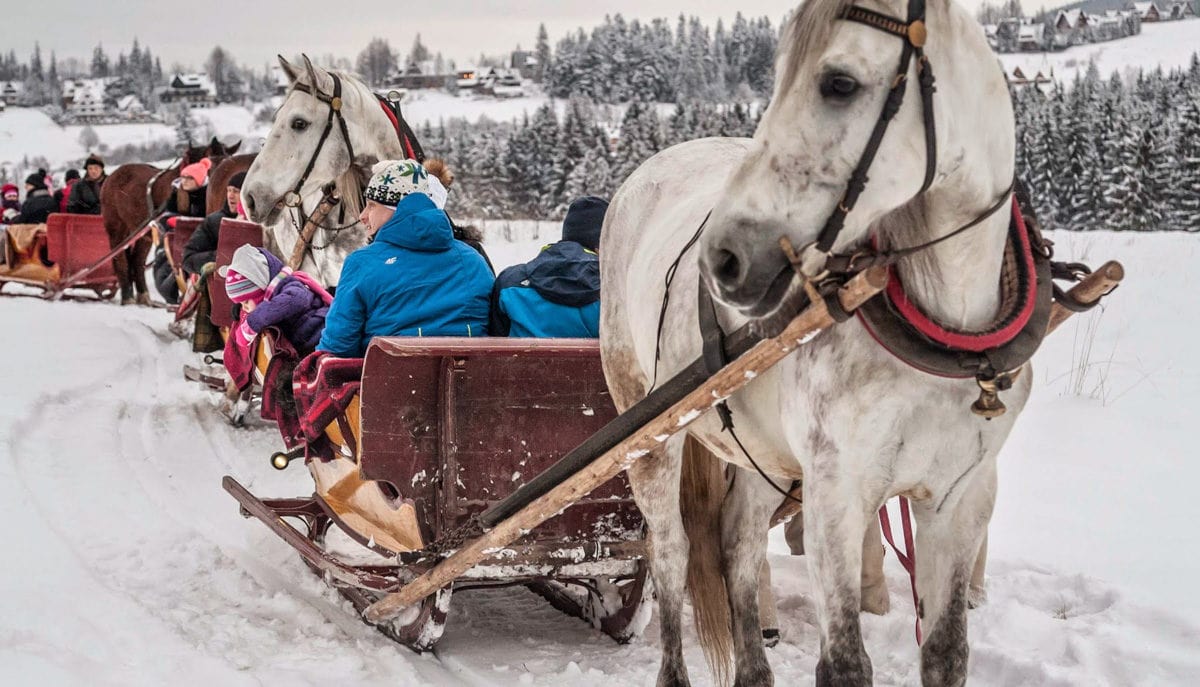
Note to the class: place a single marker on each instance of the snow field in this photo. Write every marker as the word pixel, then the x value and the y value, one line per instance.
pixel 1166 44
pixel 130 566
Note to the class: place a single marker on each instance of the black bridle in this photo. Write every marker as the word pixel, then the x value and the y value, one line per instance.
pixel 334 101
pixel 913 32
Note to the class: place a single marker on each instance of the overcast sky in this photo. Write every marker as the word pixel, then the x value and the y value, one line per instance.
pixel 254 31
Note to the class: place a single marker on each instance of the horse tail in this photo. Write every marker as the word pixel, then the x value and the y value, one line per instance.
pixel 702 491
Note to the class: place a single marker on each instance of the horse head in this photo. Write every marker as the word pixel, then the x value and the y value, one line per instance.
pixel 307 147
pixel 834 73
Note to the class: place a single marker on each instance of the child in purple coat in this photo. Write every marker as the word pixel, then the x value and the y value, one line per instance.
pixel 271 295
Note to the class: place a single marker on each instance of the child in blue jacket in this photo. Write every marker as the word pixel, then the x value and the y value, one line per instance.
pixel 415 278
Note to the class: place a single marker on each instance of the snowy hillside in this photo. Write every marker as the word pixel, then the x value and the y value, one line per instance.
pixel 28 132
pixel 128 565
pixel 1167 45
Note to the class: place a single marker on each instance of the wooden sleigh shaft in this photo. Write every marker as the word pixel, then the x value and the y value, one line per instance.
pixel 650 436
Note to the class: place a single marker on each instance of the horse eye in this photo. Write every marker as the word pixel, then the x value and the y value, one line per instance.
pixel 839 86
pixel 299 124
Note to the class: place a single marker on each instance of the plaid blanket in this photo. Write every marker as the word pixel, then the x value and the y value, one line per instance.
pixel 323 387
pixel 278 404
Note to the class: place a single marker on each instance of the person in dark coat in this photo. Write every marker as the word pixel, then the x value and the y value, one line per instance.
pixel 85 193
pixel 557 294
pixel 201 249
pixel 38 202
pixel 62 195
pixel 415 278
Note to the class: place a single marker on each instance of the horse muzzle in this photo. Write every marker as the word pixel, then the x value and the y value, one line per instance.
pixel 751 276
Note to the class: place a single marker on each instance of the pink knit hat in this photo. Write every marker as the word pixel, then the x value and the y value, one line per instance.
pixel 198 171
pixel 240 289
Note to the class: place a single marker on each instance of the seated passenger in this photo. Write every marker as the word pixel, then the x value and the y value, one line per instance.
pixel 414 279
pixel 85 193
pixel 10 204
pixel 38 201
pixel 271 295
pixel 201 249
pixel 557 294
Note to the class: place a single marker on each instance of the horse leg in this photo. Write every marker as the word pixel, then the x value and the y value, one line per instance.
pixel 835 523
pixel 121 267
pixel 745 518
pixel 655 482
pixel 767 613
pixel 948 544
pixel 793 533
pixel 874 587
pixel 137 267
pixel 977 592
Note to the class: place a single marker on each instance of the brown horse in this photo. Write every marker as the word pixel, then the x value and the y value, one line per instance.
pixel 129 198
pixel 220 175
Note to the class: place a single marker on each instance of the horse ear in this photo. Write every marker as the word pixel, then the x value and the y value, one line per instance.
pixel 232 150
pixel 288 70
pixel 312 72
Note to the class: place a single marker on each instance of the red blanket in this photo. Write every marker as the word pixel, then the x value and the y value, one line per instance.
pixel 323 387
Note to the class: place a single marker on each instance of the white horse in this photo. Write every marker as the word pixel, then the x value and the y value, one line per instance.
pixel 299 138
pixel 855 423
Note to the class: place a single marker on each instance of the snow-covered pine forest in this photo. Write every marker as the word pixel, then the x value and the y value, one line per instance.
pixel 1105 152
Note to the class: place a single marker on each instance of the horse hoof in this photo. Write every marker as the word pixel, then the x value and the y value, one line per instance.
pixel 127 301
pixel 770 637
pixel 143 299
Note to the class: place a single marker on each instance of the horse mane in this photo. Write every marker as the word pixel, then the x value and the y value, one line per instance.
pixel 808 32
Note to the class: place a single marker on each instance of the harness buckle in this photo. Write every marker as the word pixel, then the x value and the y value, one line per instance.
pixel 292 199
pixel 335 103
pixel 917 33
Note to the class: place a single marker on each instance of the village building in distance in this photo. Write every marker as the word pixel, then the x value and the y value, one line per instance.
pixel 1067 28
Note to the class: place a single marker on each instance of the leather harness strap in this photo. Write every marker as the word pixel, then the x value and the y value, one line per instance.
pixel 913 33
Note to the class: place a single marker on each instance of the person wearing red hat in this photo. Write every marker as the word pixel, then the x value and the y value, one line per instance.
pixel 11 202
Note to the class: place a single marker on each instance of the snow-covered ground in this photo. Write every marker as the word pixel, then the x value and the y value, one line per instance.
pixel 128 565
pixel 1166 44
pixel 29 132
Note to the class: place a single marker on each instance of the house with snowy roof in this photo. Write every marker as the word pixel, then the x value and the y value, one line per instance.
pixel 1148 11
pixel 197 90
pixel 1033 38
pixel 11 92
pixel 1181 10
pixel 1072 27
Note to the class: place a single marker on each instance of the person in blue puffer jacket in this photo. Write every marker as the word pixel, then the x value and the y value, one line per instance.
pixel 415 278
pixel 557 294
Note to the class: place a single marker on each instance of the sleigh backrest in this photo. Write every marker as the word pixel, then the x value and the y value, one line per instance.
pixel 74 242
pixel 458 424
pixel 234 235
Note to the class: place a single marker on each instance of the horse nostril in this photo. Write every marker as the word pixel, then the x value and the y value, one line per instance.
pixel 729 268
pixel 250 204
